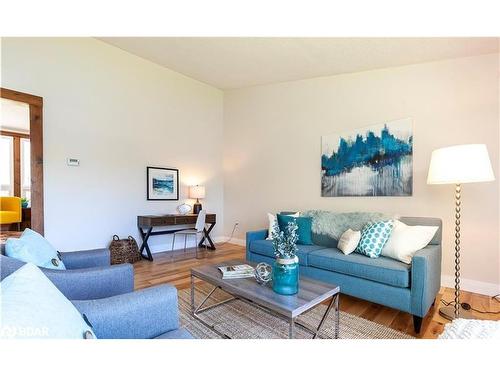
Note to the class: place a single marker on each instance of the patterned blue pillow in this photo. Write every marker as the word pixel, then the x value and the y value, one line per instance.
pixel 373 238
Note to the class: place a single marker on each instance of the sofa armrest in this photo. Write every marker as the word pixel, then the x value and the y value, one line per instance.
pixel 142 314
pixel 86 258
pixel 425 278
pixel 91 283
pixel 254 236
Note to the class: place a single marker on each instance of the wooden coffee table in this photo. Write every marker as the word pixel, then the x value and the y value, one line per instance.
pixel 311 294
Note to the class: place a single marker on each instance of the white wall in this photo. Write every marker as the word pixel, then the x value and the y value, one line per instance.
pixel 117 113
pixel 272 149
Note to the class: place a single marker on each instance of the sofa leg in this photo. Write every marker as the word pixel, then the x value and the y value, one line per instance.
pixel 417 323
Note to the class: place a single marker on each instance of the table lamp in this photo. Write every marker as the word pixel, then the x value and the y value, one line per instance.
pixel 458 165
pixel 197 192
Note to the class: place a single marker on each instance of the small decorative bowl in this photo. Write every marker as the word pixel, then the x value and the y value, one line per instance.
pixel 184 209
pixel 263 273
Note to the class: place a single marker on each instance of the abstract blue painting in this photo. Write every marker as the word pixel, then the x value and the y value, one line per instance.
pixel 372 161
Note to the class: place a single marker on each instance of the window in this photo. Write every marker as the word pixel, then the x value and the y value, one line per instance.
pixel 7 166
pixel 25 168
pixel 15 165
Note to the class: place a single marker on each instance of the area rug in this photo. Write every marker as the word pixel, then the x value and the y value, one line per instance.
pixel 240 320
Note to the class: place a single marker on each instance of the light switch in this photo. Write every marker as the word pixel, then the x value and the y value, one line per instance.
pixel 73 162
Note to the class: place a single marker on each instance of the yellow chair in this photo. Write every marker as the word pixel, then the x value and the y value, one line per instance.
pixel 10 211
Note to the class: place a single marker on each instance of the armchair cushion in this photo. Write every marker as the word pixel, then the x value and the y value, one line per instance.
pixel 9 217
pixel 32 307
pixel 143 314
pixel 31 247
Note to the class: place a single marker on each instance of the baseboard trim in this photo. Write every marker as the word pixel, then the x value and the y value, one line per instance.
pixel 480 287
pixel 234 241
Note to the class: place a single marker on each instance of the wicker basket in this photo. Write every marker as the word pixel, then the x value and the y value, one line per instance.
pixel 124 250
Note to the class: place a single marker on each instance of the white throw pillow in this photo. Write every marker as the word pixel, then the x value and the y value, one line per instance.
pixel 406 240
pixel 348 241
pixel 33 308
pixel 272 219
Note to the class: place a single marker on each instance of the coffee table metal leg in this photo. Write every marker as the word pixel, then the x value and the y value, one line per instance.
pixel 333 302
pixel 195 310
pixel 291 332
pixel 337 316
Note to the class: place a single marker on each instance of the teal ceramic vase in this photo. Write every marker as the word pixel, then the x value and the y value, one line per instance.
pixel 286 276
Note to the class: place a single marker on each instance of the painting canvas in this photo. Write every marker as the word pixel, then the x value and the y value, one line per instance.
pixel 162 183
pixel 372 161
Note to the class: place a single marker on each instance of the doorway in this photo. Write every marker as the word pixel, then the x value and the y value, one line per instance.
pixel 21 158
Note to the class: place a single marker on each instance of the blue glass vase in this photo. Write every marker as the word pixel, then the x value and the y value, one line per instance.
pixel 286 276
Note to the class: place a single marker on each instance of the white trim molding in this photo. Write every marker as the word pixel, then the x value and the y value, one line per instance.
pixel 488 289
pixel 234 241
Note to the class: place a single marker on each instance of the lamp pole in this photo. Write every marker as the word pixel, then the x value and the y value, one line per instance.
pixel 457 249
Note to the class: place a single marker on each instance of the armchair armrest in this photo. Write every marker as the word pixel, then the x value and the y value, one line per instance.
pixel 254 236
pixel 142 314
pixel 91 283
pixel 86 258
pixel 425 278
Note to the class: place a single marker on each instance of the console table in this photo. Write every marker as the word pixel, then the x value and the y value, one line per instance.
pixel 146 223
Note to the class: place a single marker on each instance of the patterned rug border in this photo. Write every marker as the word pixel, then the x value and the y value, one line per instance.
pixel 241 320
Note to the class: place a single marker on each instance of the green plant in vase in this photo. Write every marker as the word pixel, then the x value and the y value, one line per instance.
pixel 24 202
pixel 286 265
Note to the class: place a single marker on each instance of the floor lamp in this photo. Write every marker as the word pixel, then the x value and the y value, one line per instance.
pixel 458 165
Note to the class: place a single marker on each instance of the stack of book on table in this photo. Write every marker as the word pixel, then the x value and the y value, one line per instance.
pixel 237 272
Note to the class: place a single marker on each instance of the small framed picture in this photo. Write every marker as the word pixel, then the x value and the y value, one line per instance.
pixel 163 184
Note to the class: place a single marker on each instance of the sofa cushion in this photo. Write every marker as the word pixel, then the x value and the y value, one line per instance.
pixel 374 236
pixel 265 247
pixel 383 270
pixel 304 225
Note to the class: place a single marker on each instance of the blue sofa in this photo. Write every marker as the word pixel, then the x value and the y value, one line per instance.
pixel 407 287
pixel 105 294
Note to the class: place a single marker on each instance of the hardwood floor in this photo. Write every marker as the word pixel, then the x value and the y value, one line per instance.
pixel 176 271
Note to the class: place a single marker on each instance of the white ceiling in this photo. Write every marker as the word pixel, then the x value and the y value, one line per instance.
pixel 229 63
pixel 14 116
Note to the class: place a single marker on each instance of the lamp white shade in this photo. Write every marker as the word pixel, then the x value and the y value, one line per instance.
pixel 460 164
pixel 197 192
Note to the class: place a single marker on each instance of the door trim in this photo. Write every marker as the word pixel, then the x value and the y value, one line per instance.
pixel 36 142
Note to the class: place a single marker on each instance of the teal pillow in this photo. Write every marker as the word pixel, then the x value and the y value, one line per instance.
pixel 31 247
pixel 33 308
pixel 374 237
pixel 305 227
